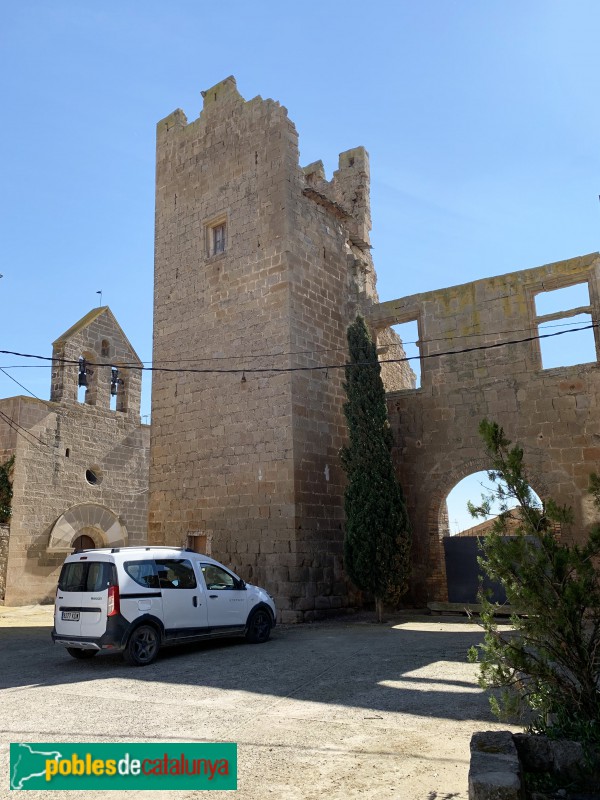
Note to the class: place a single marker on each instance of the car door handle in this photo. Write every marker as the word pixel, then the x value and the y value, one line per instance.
pixel 213 596
pixel 195 601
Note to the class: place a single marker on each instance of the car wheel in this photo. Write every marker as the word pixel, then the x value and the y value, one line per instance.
pixel 142 647
pixel 259 626
pixel 78 652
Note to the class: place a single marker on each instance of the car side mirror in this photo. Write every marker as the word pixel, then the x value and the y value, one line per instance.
pixel 241 584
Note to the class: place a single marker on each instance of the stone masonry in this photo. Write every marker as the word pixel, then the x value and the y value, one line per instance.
pixel 553 413
pixel 81 468
pixel 259 268
pixel 4 532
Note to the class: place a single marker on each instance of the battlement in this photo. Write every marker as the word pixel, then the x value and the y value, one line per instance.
pixel 225 91
pixel 346 195
pixel 218 104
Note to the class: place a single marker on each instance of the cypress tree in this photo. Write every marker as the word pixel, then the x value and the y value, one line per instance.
pixel 6 491
pixel 378 537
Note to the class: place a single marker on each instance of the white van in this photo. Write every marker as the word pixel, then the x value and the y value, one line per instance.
pixel 135 599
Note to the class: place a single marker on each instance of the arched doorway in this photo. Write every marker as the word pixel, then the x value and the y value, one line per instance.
pixel 462 533
pixel 83 542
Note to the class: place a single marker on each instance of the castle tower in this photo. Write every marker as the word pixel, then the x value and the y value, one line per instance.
pixel 259 268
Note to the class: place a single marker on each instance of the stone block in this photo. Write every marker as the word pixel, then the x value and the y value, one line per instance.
pixel 541 754
pixel 494 770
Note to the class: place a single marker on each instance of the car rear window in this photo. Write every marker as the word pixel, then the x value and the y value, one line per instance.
pixel 142 572
pixel 87 576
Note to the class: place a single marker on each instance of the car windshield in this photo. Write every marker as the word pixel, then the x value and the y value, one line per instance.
pixel 87 576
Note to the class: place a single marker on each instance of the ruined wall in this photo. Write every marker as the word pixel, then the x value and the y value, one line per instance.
pixel 250 459
pixel 57 446
pixel 552 413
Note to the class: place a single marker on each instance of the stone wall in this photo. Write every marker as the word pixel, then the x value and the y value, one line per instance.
pixel 58 446
pixel 80 467
pixel 4 534
pixel 249 457
pixel 552 413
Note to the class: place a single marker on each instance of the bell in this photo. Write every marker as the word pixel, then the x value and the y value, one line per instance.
pixel 115 382
pixel 82 378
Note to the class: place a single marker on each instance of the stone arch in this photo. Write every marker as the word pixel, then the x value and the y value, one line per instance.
pixel 92 519
pixel 87 357
pixel 436 580
pixel 119 386
pixel 469 467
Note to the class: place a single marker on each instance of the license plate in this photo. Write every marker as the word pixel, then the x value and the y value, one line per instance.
pixel 71 615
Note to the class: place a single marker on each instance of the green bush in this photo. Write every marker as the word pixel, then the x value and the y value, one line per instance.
pixel 547 662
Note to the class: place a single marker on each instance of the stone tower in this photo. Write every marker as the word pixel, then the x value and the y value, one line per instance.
pixel 259 267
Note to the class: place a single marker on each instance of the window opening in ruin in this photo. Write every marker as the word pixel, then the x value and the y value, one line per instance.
pixel 395 344
pixel 67 452
pixel 105 348
pixel 565 309
pixel 455 519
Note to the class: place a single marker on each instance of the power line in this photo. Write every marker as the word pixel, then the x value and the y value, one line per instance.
pixel 278 370
pixel 15 426
pixel 45 402
pixel 278 354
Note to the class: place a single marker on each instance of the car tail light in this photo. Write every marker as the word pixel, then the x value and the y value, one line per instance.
pixel 113 601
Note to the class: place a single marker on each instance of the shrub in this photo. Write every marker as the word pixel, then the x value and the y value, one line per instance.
pixel 547 664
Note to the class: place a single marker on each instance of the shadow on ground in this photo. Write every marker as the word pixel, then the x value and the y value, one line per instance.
pixel 414 666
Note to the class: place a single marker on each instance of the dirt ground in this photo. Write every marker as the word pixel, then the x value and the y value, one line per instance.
pixel 341 709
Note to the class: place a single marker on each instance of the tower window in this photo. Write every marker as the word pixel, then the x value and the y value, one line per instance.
pixel 218 239
pixel 216 236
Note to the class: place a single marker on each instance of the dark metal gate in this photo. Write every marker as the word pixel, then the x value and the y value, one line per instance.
pixel 463 573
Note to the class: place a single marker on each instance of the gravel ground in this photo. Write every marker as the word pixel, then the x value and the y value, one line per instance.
pixel 341 709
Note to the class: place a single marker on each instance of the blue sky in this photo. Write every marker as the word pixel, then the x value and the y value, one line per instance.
pixel 481 119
